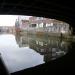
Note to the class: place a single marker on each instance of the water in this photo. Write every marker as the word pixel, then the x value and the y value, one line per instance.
pixel 24 51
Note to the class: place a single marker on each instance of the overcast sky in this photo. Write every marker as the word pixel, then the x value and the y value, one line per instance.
pixel 8 20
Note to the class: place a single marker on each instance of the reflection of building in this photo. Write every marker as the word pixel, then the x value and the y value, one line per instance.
pixel 22 41
pixel 51 48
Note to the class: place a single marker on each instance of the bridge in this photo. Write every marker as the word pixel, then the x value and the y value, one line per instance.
pixel 7 29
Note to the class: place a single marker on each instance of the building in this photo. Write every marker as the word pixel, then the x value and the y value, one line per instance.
pixel 40 24
pixel 21 23
pixel 49 25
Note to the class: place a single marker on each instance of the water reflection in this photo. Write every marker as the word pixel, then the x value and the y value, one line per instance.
pixel 49 47
pixel 24 51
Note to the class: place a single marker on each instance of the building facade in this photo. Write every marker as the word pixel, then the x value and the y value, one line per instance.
pixel 21 24
pixel 40 24
pixel 49 25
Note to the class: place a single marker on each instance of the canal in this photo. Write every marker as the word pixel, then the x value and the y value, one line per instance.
pixel 24 51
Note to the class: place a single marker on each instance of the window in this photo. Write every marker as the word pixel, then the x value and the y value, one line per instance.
pixel 39 18
pixel 33 25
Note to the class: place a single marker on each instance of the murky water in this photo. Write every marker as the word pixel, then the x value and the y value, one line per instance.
pixel 23 51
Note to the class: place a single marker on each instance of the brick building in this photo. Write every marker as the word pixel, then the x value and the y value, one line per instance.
pixel 50 25
pixel 40 24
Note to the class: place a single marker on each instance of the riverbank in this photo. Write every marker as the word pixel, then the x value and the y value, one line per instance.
pixel 58 35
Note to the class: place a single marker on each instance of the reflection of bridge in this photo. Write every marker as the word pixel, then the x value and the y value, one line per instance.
pixel 51 48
